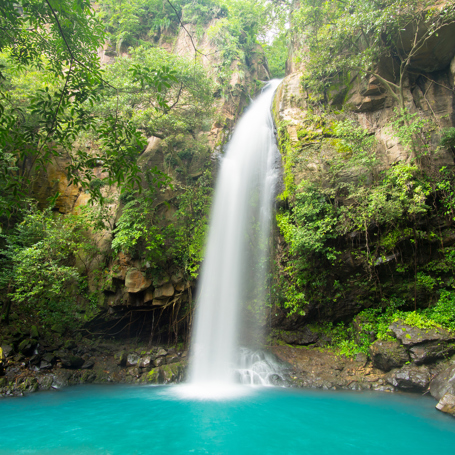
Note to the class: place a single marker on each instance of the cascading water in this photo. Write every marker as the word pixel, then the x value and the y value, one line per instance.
pixel 237 250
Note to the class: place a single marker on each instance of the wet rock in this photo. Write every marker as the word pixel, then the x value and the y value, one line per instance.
pixel 45 382
pixel 121 358
pixel 443 383
pixel 160 361
pixel 88 364
pixel 361 358
pixel 410 336
pixel 146 362
pixel 447 404
pixel 163 292
pixel 27 347
pixel 132 359
pixel 133 371
pixel 161 352
pixel 410 377
pixel 7 350
pixel 49 357
pixel 301 337
pixel 45 365
pixel 34 332
pixel 429 352
pixel 35 359
pixel 386 355
pixel 73 362
pixel 135 281
pixel 172 373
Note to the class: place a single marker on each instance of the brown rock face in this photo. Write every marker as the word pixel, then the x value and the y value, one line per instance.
pixel 135 281
pixel 163 292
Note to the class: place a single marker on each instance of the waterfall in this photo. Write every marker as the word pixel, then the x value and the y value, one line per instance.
pixel 236 258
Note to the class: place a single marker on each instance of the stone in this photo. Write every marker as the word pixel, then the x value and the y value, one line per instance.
pixel 27 347
pixel 386 355
pixel 410 377
pixel 447 404
pixel 409 335
pixel 177 277
pixel 148 296
pixel 7 350
pixel 45 365
pixel 161 352
pixel 146 362
pixel 361 358
pixel 121 358
pixel 34 332
pixel 49 357
pixel 160 361
pixel 88 364
pixel 443 383
pixel 72 362
pixel 45 382
pixel 132 359
pixel 172 373
pixel 163 292
pixel 429 352
pixel 135 281
pixel 301 337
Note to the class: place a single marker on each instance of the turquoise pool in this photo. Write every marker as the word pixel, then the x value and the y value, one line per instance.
pixel 158 420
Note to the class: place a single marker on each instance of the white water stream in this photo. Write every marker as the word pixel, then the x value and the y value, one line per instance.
pixel 236 260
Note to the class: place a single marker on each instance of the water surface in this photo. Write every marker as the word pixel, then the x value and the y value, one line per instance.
pixel 156 420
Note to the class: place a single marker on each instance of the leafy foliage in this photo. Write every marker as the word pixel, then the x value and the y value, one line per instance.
pixel 39 265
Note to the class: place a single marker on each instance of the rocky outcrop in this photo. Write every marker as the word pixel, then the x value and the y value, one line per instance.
pixel 386 355
pixel 410 377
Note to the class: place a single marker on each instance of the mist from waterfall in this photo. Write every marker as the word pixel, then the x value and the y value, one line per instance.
pixel 233 274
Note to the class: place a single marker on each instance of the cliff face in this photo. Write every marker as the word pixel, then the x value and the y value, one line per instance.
pixel 127 282
pixel 362 272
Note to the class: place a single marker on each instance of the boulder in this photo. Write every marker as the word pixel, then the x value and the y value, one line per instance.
pixel 121 358
pixel 148 297
pixel 72 362
pixel 161 352
pixel 88 364
pixel 447 404
pixel 146 362
pixel 410 377
pixel 410 336
pixel 163 292
pixel 429 352
pixel 45 365
pixel 7 350
pixel 135 281
pixel 386 355
pixel 132 359
pixel 443 383
pixel 301 337
pixel 177 277
pixel 27 347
